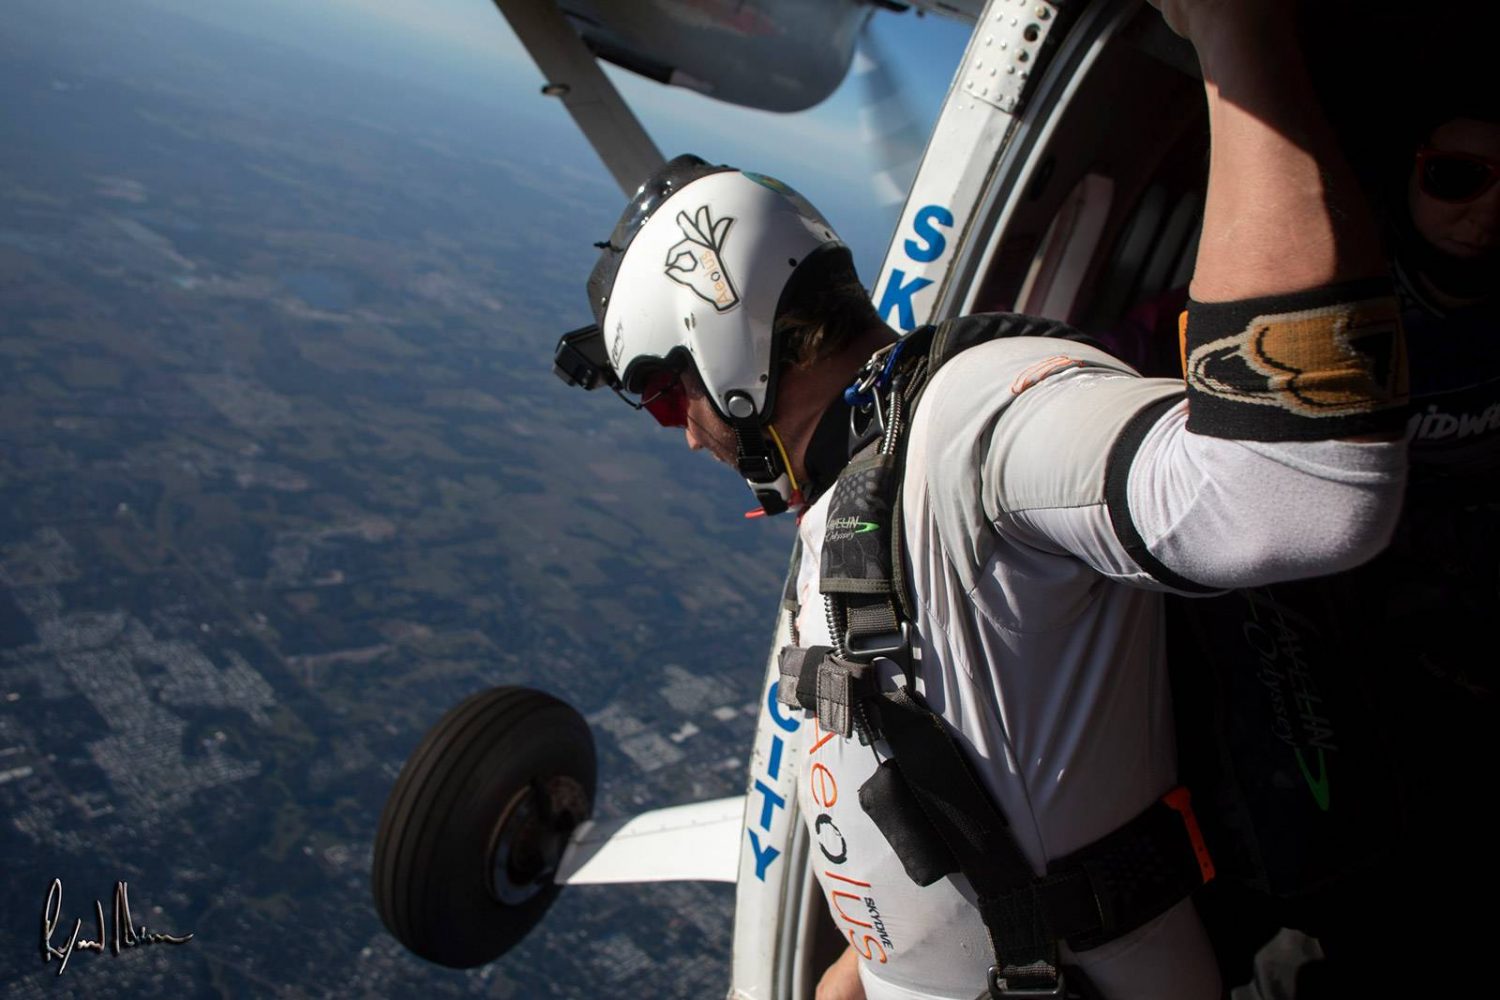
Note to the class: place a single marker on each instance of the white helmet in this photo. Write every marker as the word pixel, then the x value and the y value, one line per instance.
pixel 696 270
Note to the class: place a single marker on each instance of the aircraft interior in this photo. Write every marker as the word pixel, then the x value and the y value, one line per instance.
pixel 1109 217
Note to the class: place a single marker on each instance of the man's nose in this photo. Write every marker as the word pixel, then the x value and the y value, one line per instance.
pixel 693 440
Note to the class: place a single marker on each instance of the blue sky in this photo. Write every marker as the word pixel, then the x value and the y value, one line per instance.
pixel 464 47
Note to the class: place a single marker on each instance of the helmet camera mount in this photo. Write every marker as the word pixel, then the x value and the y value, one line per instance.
pixel 582 360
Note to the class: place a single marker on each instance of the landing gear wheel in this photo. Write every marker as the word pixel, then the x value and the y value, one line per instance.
pixel 476 823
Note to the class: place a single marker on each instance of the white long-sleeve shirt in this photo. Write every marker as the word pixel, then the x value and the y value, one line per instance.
pixel 1041 638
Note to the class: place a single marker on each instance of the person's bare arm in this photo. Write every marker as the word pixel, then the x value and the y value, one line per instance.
pixel 1292 332
pixel 1284 211
pixel 841 980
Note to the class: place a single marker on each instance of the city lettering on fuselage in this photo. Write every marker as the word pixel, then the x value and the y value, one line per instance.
pixel 770 799
pixel 926 246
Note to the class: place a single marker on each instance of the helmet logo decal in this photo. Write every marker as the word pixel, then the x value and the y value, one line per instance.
pixel 697 261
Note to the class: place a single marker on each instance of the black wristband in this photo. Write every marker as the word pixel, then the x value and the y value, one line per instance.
pixel 1310 366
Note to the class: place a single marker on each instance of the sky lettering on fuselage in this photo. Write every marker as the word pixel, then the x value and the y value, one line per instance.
pixel 925 224
pixel 927 246
pixel 770 799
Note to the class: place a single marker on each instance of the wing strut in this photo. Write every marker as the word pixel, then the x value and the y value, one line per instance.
pixel 573 74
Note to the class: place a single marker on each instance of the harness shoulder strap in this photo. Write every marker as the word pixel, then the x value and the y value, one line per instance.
pixel 863 568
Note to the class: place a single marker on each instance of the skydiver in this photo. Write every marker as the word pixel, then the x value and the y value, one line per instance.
pixel 1049 495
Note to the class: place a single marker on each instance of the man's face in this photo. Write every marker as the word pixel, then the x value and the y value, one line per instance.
pixel 1462 227
pixel 705 429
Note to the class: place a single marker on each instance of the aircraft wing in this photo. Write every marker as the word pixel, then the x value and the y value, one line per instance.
pixel 698 842
pixel 776 55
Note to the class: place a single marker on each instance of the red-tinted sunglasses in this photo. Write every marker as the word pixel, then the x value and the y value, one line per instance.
pixel 1455 177
pixel 664 396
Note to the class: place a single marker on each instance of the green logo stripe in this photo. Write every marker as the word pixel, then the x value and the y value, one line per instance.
pixel 1318 785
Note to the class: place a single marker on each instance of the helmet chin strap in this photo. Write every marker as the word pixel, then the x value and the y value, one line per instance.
pixel 764 463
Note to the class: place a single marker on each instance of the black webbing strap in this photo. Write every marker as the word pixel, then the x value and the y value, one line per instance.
pixel 798 667
pixel 1116 499
pixel 789 592
pixel 1090 897
pixel 862 570
pixel 969 825
pixel 856 572
pixel 856 538
pixel 1128 877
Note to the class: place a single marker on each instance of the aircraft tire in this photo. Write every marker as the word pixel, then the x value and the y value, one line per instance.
pixel 481 808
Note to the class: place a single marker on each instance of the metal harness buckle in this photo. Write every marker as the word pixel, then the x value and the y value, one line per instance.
pixel 999 989
pixel 895 645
